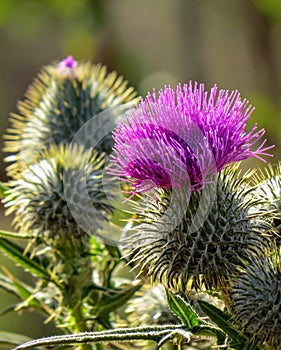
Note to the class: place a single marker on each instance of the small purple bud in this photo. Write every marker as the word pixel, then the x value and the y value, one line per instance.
pixel 68 63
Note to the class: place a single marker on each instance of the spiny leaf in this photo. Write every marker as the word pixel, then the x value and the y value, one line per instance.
pixel 222 319
pixel 12 338
pixel 209 330
pixel 182 310
pixel 16 253
pixel 29 299
pixel 113 301
pixel 15 235
pixel 7 285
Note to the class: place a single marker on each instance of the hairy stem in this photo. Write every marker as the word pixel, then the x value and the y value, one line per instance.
pixel 154 333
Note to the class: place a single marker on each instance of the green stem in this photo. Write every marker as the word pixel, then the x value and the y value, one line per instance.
pixel 79 319
pixel 77 273
pixel 99 347
pixel 80 324
pixel 154 333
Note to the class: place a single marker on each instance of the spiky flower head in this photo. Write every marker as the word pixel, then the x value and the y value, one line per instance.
pixel 61 194
pixel 149 306
pixel 62 98
pixel 256 300
pixel 199 241
pixel 181 136
pixel 268 185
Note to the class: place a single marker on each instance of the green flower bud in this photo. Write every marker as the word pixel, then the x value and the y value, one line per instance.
pixel 51 193
pixel 268 185
pixel 256 300
pixel 203 241
pixel 61 99
pixel 150 307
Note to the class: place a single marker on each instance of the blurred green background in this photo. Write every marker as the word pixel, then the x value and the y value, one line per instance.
pixel 235 44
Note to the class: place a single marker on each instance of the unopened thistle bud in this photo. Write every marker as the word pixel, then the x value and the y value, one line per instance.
pixel 150 307
pixel 268 185
pixel 256 300
pixel 62 98
pixel 52 192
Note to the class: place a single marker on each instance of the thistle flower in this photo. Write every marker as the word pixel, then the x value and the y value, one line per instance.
pixel 200 243
pixel 62 98
pixel 51 194
pixel 184 136
pixel 256 300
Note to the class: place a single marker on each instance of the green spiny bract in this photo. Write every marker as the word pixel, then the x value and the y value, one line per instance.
pixel 268 185
pixel 58 103
pixel 64 185
pixel 204 240
pixel 256 300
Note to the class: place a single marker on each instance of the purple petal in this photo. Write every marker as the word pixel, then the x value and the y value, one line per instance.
pixel 68 63
pixel 185 136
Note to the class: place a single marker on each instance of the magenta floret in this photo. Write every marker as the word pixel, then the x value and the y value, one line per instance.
pixel 68 62
pixel 181 137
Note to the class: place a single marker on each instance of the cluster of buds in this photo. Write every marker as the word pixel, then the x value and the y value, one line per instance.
pixel 58 145
pixel 51 165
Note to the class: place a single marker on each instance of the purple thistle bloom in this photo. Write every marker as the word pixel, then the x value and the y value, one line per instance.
pixel 68 63
pixel 181 137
